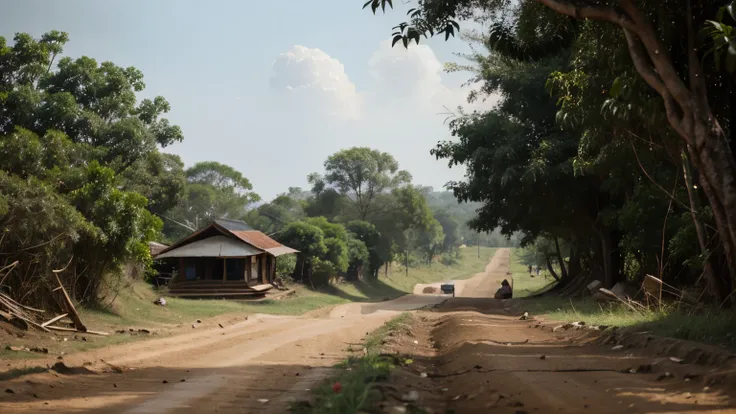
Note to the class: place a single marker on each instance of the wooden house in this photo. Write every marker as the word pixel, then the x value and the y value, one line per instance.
pixel 228 258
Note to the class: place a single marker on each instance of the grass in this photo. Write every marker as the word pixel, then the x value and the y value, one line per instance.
pixel 710 326
pixel 357 375
pixel 524 284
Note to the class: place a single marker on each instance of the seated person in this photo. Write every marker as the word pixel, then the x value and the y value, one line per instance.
pixel 505 291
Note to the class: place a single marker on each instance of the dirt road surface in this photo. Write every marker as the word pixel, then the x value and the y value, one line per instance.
pixel 255 365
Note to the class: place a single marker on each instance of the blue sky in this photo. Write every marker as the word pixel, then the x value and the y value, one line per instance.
pixel 269 87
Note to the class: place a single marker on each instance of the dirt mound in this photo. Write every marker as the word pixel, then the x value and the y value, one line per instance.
pixel 61 368
pixel 690 352
pixel 429 289
pixel 481 305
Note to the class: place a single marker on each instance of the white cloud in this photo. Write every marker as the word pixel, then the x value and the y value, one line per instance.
pixel 403 112
pixel 310 80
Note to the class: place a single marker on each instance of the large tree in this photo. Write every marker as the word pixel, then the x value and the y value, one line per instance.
pixel 70 132
pixel 362 174
pixel 662 51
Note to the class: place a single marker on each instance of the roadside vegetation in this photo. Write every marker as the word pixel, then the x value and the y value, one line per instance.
pixel 673 320
pixel 350 390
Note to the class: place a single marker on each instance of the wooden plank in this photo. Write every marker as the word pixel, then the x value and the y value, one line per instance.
pixel 61 329
pixel 262 288
pixel 70 309
pixel 8 298
pixel 58 318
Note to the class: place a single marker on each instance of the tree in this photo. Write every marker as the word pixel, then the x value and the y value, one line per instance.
pixel 362 174
pixel 70 130
pixel 213 191
pixel 664 53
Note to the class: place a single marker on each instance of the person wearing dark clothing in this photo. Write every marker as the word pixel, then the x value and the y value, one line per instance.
pixel 505 291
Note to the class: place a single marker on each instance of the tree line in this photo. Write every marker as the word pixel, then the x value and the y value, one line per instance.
pixel 85 185
pixel 611 148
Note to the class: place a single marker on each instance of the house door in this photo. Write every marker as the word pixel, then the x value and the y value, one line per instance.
pixel 253 269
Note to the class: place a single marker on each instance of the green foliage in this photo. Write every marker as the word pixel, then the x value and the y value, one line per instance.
pixel 722 38
pixel 75 153
pixel 361 174
pixel 212 190
pixel 596 165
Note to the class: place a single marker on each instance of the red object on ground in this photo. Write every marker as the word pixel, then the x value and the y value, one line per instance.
pixel 337 387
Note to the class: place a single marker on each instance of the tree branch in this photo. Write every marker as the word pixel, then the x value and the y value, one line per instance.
pixel 608 14
pixel 652 78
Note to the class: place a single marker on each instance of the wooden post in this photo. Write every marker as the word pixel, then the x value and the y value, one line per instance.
pixel 263 268
pixel 224 269
pixel 249 268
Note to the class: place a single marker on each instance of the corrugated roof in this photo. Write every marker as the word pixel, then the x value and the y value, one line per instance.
pixel 217 246
pixel 233 225
pixel 257 239
pixel 281 250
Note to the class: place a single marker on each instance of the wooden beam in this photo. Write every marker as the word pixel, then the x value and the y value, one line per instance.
pixel 52 320
pixel 67 302
pixel 263 268
pixel 224 269
pixel 59 328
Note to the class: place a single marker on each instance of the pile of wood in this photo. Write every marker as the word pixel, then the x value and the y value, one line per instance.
pixel 21 316
pixel 25 317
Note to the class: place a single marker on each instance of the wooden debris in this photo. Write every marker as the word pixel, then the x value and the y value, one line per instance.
pixel 62 329
pixel 50 321
pixel 68 306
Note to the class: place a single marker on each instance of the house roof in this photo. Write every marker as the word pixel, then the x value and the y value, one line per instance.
pixel 253 242
pixel 233 225
pixel 217 246
pixel 156 248
pixel 256 238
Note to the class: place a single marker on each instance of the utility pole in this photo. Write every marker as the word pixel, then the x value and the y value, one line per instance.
pixel 477 242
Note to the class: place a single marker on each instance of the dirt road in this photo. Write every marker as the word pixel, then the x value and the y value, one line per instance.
pixel 482 285
pixel 253 365
pixel 233 369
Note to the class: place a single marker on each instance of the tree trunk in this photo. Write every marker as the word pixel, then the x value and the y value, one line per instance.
pixel 722 199
pixel 551 269
pixel 575 267
pixel 710 276
pixel 606 253
pixel 563 271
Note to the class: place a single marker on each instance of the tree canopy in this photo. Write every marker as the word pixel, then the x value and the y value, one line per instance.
pixel 618 165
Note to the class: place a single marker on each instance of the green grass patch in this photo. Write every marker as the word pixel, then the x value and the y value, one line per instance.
pixel 711 326
pixel 15 373
pixel 524 284
pixel 357 375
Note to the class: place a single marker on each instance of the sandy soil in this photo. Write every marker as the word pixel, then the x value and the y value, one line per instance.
pixel 479 357
pixel 232 369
